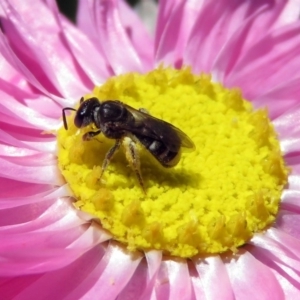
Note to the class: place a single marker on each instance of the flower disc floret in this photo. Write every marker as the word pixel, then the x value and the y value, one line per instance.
pixel 214 200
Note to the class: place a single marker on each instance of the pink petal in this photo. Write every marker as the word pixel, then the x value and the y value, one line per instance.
pixel 20 200
pixel 33 160
pixel 173 280
pixel 293 161
pixel 288 222
pixel 90 58
pixel 49 248
pixel 37 260
pixel 54 239
pixel 41 175
pixel 153 258
pixel 12 120
pixel 22 214
pixel 230 53
pixel 250 278
pixel 277 260
pixel 223 29
pixel 24 115
pixel 277 244
pixel 11 75
pixel 289 145
pixel 137 284
pixel 197 285
pixel 290 200
pixel 289 289
pixel 289 14
pixel 44 145
pixel 285 124
pixel 280 98
pixel 6 150
pixel 294 182
pixel 210 269
pixel 176 32
pixel 12 58
pixel 288 131
pixel 85 19
pixel 286 266
pixel 53 63
pixel 72 276
pixel 138 35
pixel 12 286
pixel 45 105
pixel 16 87
pixel 109 277
pixel 26 72
pixel 165 9
pixel 291 243
pixel 13 188
pixel 259 65
pixel 116 45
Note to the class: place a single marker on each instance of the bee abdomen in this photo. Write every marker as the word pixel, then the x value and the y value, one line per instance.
pixel 166 157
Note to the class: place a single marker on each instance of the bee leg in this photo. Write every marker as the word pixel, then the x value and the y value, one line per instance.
pixel 89 135
pixel 133 157
pixel 109 156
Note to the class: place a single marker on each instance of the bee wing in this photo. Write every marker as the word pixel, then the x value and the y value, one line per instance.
pixel 149 126
pixel 186 142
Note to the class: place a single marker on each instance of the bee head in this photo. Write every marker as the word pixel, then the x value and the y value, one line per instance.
pixel 84 114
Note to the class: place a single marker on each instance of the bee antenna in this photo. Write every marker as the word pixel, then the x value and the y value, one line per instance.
pixel 81 100
pixel 64 116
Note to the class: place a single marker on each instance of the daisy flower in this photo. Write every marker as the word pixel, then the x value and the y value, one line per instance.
pixel 221 224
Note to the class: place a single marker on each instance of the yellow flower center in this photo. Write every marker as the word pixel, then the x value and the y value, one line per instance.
pixel 217 196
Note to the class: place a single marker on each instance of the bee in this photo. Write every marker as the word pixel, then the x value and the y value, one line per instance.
pixel 129 126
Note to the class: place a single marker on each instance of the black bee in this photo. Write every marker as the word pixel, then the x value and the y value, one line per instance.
pixel 128 126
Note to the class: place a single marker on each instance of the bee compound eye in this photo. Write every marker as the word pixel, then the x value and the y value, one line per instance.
pixel 78 121
pixel 84 115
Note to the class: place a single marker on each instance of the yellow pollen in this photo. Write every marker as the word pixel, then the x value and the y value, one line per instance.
pixel 217 196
